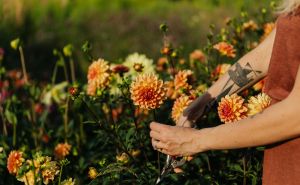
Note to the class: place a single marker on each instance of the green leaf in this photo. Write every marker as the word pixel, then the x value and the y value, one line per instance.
pixel 11 117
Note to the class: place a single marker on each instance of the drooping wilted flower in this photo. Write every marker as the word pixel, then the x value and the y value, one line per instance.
pixel 62 150
pixel 225 49
pixel 119 69
pixel 257 104
pixel 14 161
pixel 180 104
pixel 98 76
pixel 183 80
pixel 147 91
pixel 56 94
pixel 232 108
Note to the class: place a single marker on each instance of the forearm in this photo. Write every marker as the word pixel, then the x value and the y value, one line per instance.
pixel 277 123
pixel 247 71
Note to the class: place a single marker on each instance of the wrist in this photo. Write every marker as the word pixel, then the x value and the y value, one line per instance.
pixel 203 140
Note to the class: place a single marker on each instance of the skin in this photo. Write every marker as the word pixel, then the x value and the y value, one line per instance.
pixel 264 128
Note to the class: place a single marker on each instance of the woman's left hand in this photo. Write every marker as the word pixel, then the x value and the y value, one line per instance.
pixel 175 140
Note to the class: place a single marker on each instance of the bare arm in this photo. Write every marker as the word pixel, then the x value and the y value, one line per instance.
pixel 277 123
pixel 248 70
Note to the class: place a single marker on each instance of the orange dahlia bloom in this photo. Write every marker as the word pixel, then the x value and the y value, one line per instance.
pixel 62 150
pixel 225 49
pixel 14 161
pixel 183 79
pixel 98 76
pixel 180 104
pixel 257 104
pixel 147 91
pixel 162 64
pixel 197 55
pixel 259 86
pixel 268 28
pixel 232 108
pixel 220 70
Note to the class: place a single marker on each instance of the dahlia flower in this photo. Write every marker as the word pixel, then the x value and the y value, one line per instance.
pixel 183 80
pixel 250 25
pixel 62 150
pixel 225 49
pixel 138 64
pixel 147 91
pixel 14 161
pixel 92 173
pixel 197 55
pixel 232 108
pixel 180 104
pixel 49 170
pixel 98 76
pixel 259 86
pixel 268 28
pixel 220 70
pixel 69 181
pixel 257 104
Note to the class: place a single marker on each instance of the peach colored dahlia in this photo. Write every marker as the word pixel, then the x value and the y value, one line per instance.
pixel 147 91
pixel 183 80
pixel 225 49
pixel 180 104
pixel 98 76
pixel 232 108
pixel 257 104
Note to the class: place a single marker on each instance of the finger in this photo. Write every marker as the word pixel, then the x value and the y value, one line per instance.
pixel 156 135
pixel 157 126
pixel 159 144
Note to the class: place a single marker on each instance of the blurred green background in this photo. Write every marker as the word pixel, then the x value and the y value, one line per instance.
pixel 115 28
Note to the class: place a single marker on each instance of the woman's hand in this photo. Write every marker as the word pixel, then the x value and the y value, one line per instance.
pixel 175 140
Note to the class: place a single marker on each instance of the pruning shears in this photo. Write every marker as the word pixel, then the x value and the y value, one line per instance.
pixel 170 164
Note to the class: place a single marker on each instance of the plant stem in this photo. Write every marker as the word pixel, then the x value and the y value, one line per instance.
pixel 54 74
pixel 65 70
pixel 14 134
pixel 208 163
pixel 23 64
pixel 3 121
pixel 244 170
pixel 59 179
pixel 66 118
pixel 72 70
